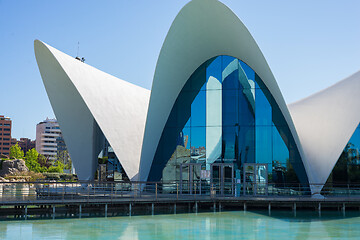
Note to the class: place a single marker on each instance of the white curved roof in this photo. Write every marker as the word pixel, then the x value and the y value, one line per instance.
pixel 202 29
pixel 325 122
pixel 85 99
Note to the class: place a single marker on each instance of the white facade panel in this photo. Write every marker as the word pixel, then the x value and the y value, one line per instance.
pixel 325 122
pixel 83 98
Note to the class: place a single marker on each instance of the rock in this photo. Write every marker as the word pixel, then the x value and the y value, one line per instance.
pixel 3 179
pixel 12 167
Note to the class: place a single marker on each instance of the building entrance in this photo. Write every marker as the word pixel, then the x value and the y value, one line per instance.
pixel 222 178
pixel 255 180
pixel 190 182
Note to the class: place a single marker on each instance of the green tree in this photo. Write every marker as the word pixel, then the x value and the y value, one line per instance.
pixel 16 152
pixel 31 161
pixel 68 166
pixel 64 157
pixel 57 167
pixel 43 161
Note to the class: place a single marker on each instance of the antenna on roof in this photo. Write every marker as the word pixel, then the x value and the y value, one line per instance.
pixel 77 54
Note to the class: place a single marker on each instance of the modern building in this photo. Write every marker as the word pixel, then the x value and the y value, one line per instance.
pixel 24 143
pixel 5 135
pixel 49 140
pixel 215 114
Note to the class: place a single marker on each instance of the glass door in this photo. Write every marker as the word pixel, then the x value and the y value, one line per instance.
pixel 190 178
pixel 215 178
pixel 222 178
pixel 261 179
pixel 249 179
pixel 255 179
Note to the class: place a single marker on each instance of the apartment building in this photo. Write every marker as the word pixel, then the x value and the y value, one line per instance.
pixel 24 143
pixel 5 135
pixel 47 134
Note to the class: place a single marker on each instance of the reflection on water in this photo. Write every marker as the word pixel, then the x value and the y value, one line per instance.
pixel 225 225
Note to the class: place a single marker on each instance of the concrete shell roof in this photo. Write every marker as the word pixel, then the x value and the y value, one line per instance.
pixel 203 29
pixel 325 122
pixel 82 96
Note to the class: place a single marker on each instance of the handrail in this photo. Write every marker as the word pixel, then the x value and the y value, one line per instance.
pixel 122 190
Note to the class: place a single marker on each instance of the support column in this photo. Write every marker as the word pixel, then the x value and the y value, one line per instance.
pixel 26 211
pixel 130 209
pixel 269 209
pixel 80 211
pixel 53 207
pixel 152 209
pixel 106 210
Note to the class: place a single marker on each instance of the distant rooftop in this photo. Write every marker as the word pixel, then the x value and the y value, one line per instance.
pixel 2 117
pixel 49 120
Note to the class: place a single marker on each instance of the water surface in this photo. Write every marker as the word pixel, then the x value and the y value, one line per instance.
pixel 224 225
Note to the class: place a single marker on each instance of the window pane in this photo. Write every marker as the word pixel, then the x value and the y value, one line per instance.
pixel 280 150
pixel 263 113
pixel 250 74
pixel 198 144
pixel 213 144
pixel 198 108
pixel 213 108
pixel 229 143
pixel 230 107
pixel 247 144
pixel 213 72
pixel 183 109
pixel 230 73
pixel 263 144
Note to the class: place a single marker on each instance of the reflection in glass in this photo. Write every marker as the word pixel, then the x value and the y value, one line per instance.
pixel 346 173
pixel 226 114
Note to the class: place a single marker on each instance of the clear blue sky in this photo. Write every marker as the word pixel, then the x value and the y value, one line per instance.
pixel 308 44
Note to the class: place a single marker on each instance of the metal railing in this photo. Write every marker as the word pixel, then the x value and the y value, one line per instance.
pixel 118 191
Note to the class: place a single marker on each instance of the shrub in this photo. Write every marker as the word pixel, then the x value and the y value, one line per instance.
pixel 27 176
pixel 16 152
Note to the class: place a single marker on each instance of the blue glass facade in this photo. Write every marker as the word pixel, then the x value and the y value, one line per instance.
pixel 225 114
pixel 347 168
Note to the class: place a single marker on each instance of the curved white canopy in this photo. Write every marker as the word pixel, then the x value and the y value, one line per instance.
pixel 86 100
pixel 325 122
pixel 203 29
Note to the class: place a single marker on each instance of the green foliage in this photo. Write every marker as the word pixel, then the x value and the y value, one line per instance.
pixel 67 177
pixel 16 152
pixel 27 176
pixel 68 165
pixel 103 160
pixel 57 167
pixel 39 164
pixel 31 161
pixel 42 160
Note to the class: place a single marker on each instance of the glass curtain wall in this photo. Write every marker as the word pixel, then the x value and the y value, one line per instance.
pixel 225 114
pixel 346 172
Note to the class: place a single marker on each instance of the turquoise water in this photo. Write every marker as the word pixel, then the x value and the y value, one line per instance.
pixel 224 225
